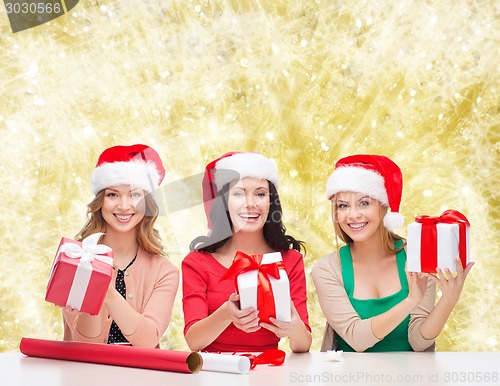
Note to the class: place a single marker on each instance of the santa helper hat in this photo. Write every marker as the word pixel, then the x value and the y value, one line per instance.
pixel 231 166
pixel 374 175
pixel 137 165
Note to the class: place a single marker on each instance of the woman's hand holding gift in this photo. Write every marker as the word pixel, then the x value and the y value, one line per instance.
pixel 246 320
pixel 451 286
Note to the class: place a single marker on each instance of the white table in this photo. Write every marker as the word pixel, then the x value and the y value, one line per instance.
pixel 441 368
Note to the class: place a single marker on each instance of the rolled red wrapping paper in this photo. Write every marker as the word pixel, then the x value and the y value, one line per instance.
pixel 144 358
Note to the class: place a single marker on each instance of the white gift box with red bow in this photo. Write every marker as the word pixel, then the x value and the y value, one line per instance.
pixel 437 241
pixel 248 283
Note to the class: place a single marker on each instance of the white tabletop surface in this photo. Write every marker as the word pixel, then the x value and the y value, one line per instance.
pixel 440 368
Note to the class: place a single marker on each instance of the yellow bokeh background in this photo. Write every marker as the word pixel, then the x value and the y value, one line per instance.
pixel 303 82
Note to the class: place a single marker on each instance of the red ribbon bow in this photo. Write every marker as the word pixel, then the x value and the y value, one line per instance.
pixel 265 298
pixel 429 237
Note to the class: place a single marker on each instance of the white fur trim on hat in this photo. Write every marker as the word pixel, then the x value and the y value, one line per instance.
pixel 136 173
pixel 252 165
pixel 358 180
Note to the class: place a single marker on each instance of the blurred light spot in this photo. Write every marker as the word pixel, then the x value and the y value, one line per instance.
pixel 88 131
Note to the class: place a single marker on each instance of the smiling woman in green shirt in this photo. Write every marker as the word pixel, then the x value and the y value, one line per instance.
pixel 370 302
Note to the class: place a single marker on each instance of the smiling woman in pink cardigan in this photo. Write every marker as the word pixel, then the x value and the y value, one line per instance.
pixel 139 301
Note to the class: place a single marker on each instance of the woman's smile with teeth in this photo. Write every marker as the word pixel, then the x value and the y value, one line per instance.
pixel 357 225
pixel 124 217
pixel 249 215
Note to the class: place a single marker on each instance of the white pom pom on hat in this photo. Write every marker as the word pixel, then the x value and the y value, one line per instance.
pixel 137 165
pixel 376 176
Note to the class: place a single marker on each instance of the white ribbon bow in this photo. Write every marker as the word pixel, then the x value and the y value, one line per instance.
pixel 89 250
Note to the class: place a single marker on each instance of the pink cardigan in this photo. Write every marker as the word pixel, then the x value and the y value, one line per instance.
pixel 152 283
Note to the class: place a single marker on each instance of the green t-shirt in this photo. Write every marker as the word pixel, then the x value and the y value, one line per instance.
pixel 397 339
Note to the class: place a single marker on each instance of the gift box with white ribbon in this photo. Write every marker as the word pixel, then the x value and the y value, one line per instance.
pixel 80 275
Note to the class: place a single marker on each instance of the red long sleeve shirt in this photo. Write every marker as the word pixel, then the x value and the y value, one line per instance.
pixel 203 293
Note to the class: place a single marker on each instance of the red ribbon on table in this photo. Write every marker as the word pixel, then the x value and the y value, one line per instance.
pixel 265 298
pixel 272 357
pixel 428 237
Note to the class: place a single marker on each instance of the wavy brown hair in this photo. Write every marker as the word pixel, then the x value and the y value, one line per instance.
pixel 148 237
pixel 388 237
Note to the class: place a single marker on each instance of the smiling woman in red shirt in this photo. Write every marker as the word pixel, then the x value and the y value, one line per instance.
pixel 244 214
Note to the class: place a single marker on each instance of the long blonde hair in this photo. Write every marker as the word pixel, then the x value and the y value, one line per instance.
pixel 387 237
pixel 148 237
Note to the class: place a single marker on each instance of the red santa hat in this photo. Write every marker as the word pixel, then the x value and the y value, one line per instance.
pixel 138 165
pixel 232 166
pixel 374 175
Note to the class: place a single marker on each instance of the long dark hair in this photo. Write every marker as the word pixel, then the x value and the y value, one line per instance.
pixel 222 227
